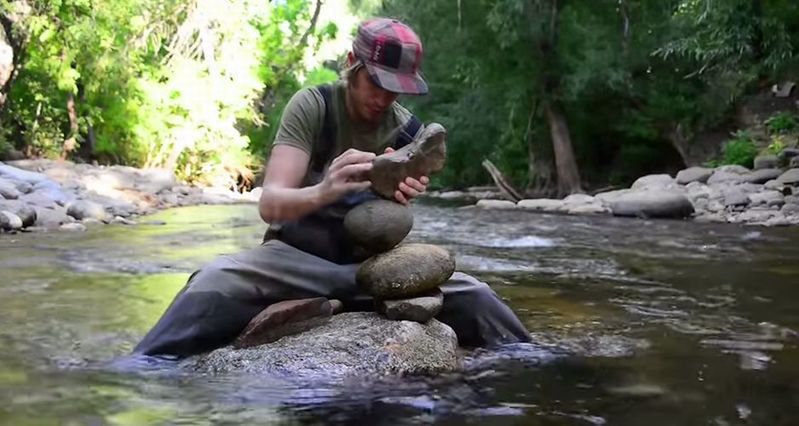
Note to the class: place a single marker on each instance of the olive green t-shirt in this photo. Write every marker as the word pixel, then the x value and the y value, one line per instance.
pixel 303 118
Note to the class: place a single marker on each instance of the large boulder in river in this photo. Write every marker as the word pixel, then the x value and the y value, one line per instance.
pixel 406 271
pixel 356 344
pixel 379 225
pixel 652 203
pixel 422 157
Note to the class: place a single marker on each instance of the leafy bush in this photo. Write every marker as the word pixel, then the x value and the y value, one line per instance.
pixel 740 150
pixel 777 145
pixel 782 122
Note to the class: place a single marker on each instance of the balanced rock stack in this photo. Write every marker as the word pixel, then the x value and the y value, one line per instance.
pixel 404 279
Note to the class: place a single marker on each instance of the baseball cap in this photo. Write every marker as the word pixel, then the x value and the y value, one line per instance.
pixel 392 54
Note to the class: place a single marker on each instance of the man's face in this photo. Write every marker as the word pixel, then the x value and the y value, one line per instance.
pixel 369 101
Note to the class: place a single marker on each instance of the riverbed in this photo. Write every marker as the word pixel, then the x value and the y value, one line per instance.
pixel 634 322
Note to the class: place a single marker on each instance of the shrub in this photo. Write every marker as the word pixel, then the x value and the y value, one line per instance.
pixel 740 150
pixel 782 122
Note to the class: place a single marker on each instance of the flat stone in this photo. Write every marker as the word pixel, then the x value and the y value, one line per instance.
pixel 422 157
pixel 542 204
pixel 420 309
pixel 349 345
pixel 496 204
pixel 725 177
pixel 767 198
pixel 591 208
pixel 284 319
pixel 766 162
pixel 653 203
pixel 790 177
pixel 653 181
pixel 693 174
pixel 762 176
pixel 379 225
pixel 406 271
pixel 773 184
pixel 735 196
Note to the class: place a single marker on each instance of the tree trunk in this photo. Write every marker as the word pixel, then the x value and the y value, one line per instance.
pixel 565 163
pixel 71 142
pixel 13 37
pixel 680 143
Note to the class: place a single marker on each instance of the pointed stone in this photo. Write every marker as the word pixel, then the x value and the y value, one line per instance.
pixel 284 319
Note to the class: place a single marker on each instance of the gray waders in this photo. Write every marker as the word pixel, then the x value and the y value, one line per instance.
pixel 220 299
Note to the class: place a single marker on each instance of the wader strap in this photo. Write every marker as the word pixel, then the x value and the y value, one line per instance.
pixel 324 146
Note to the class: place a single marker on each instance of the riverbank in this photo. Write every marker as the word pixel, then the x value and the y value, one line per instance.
pixel 40 195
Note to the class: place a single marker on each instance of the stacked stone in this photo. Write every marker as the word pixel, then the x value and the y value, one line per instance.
pixel 404 279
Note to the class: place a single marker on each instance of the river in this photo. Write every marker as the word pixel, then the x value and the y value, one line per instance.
pixel 635 322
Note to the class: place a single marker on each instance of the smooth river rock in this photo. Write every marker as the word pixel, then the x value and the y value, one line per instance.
pixel 652 203
pixel 379 225
pixel 422 157
pixel 283 319
pixel 406 271
pixel 355 344
pixel 420 309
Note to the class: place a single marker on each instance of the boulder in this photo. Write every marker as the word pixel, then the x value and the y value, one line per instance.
pixel 379 225
pixel 653 181
pixel 356 344
pixel 766 162
pixel 611 196
pixel 734 196
pixel 406 271
pixel 496 204
pixel 284 319
pixel 422 157
pixel 9 221
pixel 725 177
pixel 693 174
pixel 653 203
pixel 773 184
pixel 761 176
pixel 542 204
pixel 790 177
pixel 420 309
pixel 84 209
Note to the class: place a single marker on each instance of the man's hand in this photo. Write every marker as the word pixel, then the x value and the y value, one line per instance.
pixel 410 188
pixel 346 174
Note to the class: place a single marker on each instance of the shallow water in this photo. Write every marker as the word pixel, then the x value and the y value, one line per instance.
pixel 635 322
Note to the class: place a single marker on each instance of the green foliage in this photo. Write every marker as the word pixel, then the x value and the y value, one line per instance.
pixel 740 150
pixel 777 145
pixel 782 122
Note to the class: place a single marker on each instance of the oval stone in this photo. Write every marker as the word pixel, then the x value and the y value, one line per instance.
pixel 379 225
pixel 406 271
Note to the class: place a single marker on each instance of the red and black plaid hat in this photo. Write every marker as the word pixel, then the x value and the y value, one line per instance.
pixel 392 54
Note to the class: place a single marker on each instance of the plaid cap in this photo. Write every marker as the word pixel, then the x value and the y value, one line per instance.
pixel 392 54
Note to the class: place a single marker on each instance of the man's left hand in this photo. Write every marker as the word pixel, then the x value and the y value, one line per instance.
pixel 410 188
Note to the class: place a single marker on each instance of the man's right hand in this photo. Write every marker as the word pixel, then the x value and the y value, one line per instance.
pixel 346 174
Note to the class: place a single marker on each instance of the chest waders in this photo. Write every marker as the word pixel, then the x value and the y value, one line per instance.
pixel 310 257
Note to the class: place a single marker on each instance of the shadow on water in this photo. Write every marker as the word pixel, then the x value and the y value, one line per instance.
pixel 635 322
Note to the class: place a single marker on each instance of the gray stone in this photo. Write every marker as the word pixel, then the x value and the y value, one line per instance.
pixel 714 206
pixel 794 163
pixel 697 191
pixel 790 209
pixel 27 214
pixel 84 209
pixel 8 190
pixel 733 168
pixel 710 218
pixel 378 225
pixel 422 157
pixel 153 181
pixel 778 220
pixel 9 221
pixel 789 153
pixel 75 227
pixel 792 199
pixel 653 203
pixel 610 196
pixel 767 198
pixel 790 177
pixel 591 208
pixel 14 173
pixel 773 184
pixel 541 204
pixel 735 196
pixel 122 221
pixel 420 309
pixel 496 204
pixel 694 174
pixel 406 271
pixel 578 199
pixel 756 215
pixel 52 217
pixel 284 319
pixel 766 162
pixel 356 344
pixel 22 186
pixel 725 177
pixel 762 176
pixel 652 182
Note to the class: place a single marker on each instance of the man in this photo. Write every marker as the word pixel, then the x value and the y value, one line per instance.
pixel 327 139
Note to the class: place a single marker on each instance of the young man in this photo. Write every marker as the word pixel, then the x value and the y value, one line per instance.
pixel 327 139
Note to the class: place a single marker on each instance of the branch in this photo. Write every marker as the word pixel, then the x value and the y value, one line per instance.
pixel 312 27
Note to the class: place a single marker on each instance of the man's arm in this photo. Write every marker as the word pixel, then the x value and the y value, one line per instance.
pixel 283 200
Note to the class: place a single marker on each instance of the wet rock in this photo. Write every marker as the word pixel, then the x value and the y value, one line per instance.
pixel 9 221
pixel 791 177
pixel 406 271
pixel 693 174
pixel 74 227
pixel 356 344
pixel 423 157
pixel 8 190
pixel 542 204
pixel 653 181
pixel 653 203
pixel 420 309
pixel 83 209
pixel 496 204
pixel 284 319
pixel 766 162
pixel 379 225
pixel 767 198
pixel 762 176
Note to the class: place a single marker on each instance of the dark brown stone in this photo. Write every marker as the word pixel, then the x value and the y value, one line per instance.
pixel 284 319
pixel 379 225
pixel 419 309
pixel 423 157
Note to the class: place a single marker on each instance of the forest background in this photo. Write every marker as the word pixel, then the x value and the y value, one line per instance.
pixel 563 96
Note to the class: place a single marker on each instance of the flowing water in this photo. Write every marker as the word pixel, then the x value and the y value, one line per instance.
pixel 635 322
